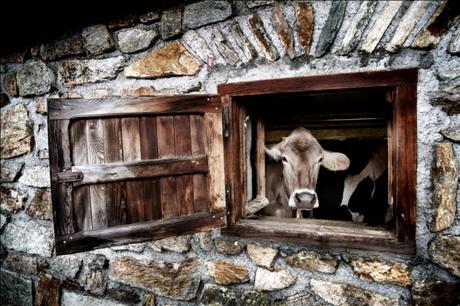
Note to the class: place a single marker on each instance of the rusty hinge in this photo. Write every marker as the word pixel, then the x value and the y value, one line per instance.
pixel 226 121
pixel 67 177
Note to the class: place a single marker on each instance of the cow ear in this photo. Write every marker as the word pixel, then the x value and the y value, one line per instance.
pixel 335 161
pixel 274 152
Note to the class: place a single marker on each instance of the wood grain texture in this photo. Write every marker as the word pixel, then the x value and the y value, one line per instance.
pixel 198 144
pixel 260 157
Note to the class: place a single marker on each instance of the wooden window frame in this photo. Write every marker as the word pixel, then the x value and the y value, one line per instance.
pixel 401 89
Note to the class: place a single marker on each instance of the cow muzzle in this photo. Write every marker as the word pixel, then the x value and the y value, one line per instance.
pixel 304 199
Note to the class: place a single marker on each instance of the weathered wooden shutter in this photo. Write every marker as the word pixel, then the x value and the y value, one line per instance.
pixel 130 170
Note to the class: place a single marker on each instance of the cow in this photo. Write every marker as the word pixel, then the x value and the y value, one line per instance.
pixel 292 172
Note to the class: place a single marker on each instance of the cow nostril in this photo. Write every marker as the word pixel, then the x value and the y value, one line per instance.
pixel 297 198
pixel 313 199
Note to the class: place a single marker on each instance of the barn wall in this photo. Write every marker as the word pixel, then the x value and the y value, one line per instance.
pixel 99 61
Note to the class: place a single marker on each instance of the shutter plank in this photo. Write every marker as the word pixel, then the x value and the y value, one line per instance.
pixel 168 186
pixel 183 147
pixel 200 188
pixel 132 152
pixel 81 195
pixel 95 149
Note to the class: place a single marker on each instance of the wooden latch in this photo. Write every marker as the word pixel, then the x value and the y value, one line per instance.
pixel 68 177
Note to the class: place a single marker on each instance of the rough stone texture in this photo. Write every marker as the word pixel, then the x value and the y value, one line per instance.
pixel 94 261
pixel 343 294
pixel 37 176
pixel 15 289
pixel 173 280
pixel 66 46
pixel 171 24
pixel 205 12
pixel 449 101
pixel 378 29
pixel 29 237
pixel 273 280
pixel 133 39
pixel 262 256
pixel 97 39
pixel 123 22
pixel 41 107
pixel 95 282
pixel 283 30
pixel 124 296
pixel 257 3
pixel 9 173
pixel 407 24
pixel 313 261
pixel 40 207
pixel 9 84
pixel 199 46
pixel 434 292
pixel 357 26
pixel 454 45
pixel 453 133
pixel 20 263
pixel 379 271
pixel 180 244
pixel 133 247
pixel 149 17
pixel 226 273
pixel 170 60
pixel 98 93
pixel 262 38
pixel 16 136
pixel 445 16
pixel 12 199
pixel 445 181
pixel 302 299
pixel 3 221
pixel 140 91
pixel 217 295
pixel 445 251
pixel 228 247
pixel 224 48
pixel 243 42
pixel 48 291
pixel 305 18
pixel 205 240
pixel 332 26
pixel 67 265
pixel 70 298
pixel 78 72
pixel 148 300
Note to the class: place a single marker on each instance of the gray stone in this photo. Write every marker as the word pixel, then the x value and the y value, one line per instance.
pixel 66 46
pixel 277 279
pixel 70 298
pixel 133 39
pixel 313 261
pixel 34 78
pixel 40 207
pixel 15 289
pixel 174 280
pixel 94 261
pixel 48 291
pixel 445 251
pixel 435 292
pixel 180 244
pixel 228 247
pixel 224 48
pixel 205 240
pixel 12 199
pixel 261 255
pixel 133 247
pixel 379 271
pixel 199 47
pixel 9 173
pixel 226 273
pixel 78 72
pixel 67 265
pixel 217 295
pixel 122 295
pixel 43 154
pixel 20 263
pixel 445 178
pixel 345 295
pixel 426 60
pixel 123 22
pixel 3 221
pixel 304 298
pixel 97 39
pixel 17 128
pixel 452 133
pixel 205 12
pixel 357 26
pixel 37 176
pixel 331 28
pixel 9 84
pixel 149 17
pixel 454 45
pixel 242 41
pixel 262 38
pixel 95 282
pixel 171 24
pixel 449 101
pixel 305 18
pixel 283 30
pixel 384 19
pixel 257 3
pixel 449 73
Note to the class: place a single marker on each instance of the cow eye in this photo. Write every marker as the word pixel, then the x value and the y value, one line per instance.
pixel 284 159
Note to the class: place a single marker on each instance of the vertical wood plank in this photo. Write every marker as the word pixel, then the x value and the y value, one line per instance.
pixel 115 193
pixel 149 150
pixel 260 156
pixel 81 195
pixel 168 186
pixel 131 152
pixel 183 147
pixel 200 187
pixel 95 149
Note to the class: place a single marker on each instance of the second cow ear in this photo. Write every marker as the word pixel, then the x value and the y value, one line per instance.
pixel 335 161
pixel 274 152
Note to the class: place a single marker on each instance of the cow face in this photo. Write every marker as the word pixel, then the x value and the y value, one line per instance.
pixel 302 156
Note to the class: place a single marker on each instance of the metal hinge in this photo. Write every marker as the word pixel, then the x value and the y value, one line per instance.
pixel 226 121
pixel 67 177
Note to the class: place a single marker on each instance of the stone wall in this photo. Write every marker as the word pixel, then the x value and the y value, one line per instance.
pixel 191 50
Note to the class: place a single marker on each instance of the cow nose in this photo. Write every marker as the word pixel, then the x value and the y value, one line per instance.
pixel 305 196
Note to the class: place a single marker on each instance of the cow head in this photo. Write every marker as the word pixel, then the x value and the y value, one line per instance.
pixel 302 156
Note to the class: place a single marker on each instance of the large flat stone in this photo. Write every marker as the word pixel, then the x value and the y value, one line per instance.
pixel 257 3
pixel 242 41
pixel 228 247
pixel 331 27
pixel 305 17
pixel 40 207
pixel 205 12
pixel 346 295
pixel 29 237
pixel 12 199
pixel 170 60
pixel 261 255
pixel 67 265
pixel 454 44
pixel 171 24
pixel 48 290
pixel 37 176
pixel 97 39
pixel 16 137
pixel 266 280
pixel 34 78
pixel 226 273
pixel 9 83
pixel 216 295
pixel 224 47
pixel 63 47
pixel 70 298
pixel 20 263
pixel 95 282
pixel 262 38
pixel 123 295
pixel 9 172
pixel 379 271
pixel 452 133
pixel 173 280
pixel 445 181
pixel 311 260
pixel 134 39
pixel 283 30
pixel 199 47
pixel 78 72
pixel 15 289
pixel 435 292
pixel 180 244
pixel 445 251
